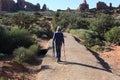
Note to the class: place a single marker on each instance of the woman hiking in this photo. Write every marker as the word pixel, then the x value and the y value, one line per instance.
pixel 58 40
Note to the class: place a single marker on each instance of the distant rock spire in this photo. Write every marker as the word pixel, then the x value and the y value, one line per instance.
pixel 84 6
pixel 85 1
pixel 119 6
pixel 44 8
pixel 110 5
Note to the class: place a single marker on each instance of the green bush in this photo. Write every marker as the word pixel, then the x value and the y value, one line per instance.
pixel 113 36
pixel 88 38
pixel 23 55
pixel 97 48
pixel 23 20
pixel 102 24
pixel 37 31
pixel 81 33
pixel 82 24
pixel 14 38
pixel 90 41
pixel 34 48
pixel 72 20
pixel 42 32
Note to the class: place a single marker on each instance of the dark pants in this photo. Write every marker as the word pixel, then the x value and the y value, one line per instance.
pixel 58 52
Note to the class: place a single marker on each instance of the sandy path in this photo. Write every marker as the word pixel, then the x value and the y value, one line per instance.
pixel 80 64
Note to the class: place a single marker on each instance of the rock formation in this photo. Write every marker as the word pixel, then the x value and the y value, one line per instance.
pixel 20 4
pixel 119 6
pixel 44 8
pixel 84 6
pixel 101 6
pixel 11 6
pixel 23 5
pixel 6 5
pixel 110 5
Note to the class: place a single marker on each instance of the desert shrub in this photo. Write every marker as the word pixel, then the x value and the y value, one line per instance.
pixel 97 48
pixel 42 32
pixel 102 24
pixel 88 38
pixel 113 35
pixel 82 24
pixel 44 29
pixel 34 48
pixel 14 38
pixel 37 14
pixel 48 33
pixel 116 23
pixel 37 31
pixel 90 41
pixel 23 20
pixel 81 33
pixel 23 55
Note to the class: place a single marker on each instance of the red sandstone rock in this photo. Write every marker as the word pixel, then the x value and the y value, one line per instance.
pixel 83 6
pixel 101 5
pixel 44 8
pixel 6 5
pixel 10 5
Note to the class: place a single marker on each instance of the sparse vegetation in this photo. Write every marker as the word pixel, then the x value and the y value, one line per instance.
pixel 19 32
pixel 113 36
pixel 91 28
pixel 34 48
pixel 23 55
pixel 15 38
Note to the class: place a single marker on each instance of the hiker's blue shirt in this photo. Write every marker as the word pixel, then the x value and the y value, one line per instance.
pixel 58 38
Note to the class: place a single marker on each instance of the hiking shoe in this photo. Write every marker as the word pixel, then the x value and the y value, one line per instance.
pixel 58 60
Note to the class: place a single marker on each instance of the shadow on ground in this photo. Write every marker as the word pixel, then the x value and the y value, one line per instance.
pixel 80 64
pixel 101 61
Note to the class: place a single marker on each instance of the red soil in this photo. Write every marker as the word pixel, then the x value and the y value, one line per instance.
pixel 112 58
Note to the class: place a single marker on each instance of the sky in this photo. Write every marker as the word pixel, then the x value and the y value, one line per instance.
pixel 72 4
